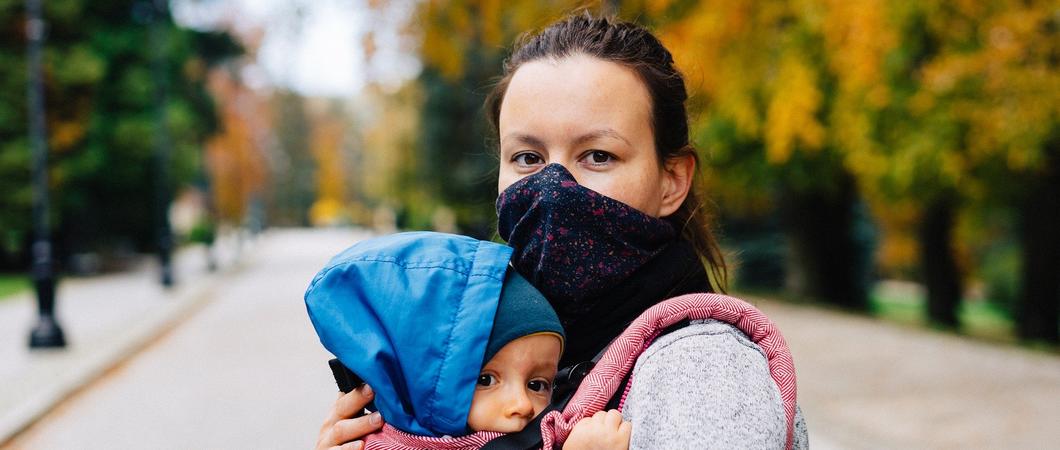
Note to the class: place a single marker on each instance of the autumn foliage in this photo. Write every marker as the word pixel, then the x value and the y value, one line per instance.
pixel 918 120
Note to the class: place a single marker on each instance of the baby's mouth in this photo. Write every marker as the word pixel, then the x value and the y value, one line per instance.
pixel 514 425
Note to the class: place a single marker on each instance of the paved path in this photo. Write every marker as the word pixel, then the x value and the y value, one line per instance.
pixel 104 318
pixel 864 384
pixel 246 371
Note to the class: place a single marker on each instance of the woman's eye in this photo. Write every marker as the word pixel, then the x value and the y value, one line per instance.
pixel 487 380
pixel 599 157
pixel 527 159
pixel 538 386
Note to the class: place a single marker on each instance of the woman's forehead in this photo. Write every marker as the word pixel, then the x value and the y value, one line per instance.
pixel 574 93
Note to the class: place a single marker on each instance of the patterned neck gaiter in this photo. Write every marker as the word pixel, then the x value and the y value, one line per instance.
pixel 573 243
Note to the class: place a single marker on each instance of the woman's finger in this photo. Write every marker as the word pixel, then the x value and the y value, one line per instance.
pixel 352 429
pixel 349 405
pixel 352 404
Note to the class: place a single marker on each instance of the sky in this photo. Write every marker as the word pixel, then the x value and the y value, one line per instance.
pixel 312 46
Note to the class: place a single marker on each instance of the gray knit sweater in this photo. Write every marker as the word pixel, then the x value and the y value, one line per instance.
pixel 706 386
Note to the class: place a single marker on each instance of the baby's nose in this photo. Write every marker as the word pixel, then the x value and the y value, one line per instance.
pixel 520 405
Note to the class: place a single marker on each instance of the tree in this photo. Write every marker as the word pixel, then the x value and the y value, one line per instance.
pixel 235 156
pixel 461 44
pixel 1004 84
pixel 100 103
pixel 293 189
pixel 388 170
pixel 925 113
pixel 765 89
pixel 331 150
pixel 970 124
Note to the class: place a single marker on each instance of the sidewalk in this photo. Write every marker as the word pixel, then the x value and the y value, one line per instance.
pixel 867 384
pixel 105 319
pixel 246 370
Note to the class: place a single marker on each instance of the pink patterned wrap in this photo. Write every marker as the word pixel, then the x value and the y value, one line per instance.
pixel 601 383
pixel 390 438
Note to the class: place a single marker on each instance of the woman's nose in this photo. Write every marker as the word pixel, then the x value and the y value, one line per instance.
pixel 570 166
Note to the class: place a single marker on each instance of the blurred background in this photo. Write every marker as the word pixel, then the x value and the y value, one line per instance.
pixel 879 159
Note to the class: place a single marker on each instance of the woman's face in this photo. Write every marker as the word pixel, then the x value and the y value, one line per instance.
pixel 594 118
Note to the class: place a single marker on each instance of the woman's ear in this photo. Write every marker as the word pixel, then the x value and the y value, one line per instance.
pixel 677 181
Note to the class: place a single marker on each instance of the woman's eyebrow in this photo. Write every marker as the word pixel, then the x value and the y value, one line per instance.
pixel 603 132
pixel 527 139
pixel 533 141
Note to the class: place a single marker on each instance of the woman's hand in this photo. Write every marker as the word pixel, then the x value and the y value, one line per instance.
pixel 343 429
pixel 603 431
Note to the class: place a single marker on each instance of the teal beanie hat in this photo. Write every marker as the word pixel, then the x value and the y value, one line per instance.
pixel 522 311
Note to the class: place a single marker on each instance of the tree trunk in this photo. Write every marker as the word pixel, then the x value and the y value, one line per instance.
pixel 1038 312
pixel 820 225
pixel 939 269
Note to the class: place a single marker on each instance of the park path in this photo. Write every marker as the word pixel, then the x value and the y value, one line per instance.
pixel 865 384
pixel 246 371
pixel 105 319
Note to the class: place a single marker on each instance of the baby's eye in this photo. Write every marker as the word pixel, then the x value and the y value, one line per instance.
pixel 538 385
pixel 486 380
pixel 527 159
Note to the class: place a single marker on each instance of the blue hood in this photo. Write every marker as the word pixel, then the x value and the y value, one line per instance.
pixel 410 313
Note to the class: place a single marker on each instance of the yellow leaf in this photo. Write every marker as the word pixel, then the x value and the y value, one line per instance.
pixel 790 118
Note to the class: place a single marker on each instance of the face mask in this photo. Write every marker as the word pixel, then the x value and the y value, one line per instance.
pixel 573 243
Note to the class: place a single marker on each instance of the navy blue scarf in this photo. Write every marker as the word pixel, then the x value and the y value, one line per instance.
pixel 573 243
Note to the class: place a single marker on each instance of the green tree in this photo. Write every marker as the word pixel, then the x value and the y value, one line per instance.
pixel 940 106
pixel 462 45
pixel 968 123
pixel 101 117
pixel 765 90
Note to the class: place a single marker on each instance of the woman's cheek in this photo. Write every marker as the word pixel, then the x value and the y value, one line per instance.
pixel 509 175
pixel 505 179
pixel 629 190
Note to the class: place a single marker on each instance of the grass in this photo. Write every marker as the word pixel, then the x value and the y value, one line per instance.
pixel 11 284
pixel 905 304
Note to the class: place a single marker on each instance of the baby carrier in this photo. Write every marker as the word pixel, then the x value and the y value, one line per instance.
pixel 609 379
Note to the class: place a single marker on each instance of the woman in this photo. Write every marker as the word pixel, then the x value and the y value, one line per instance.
pixel 595 181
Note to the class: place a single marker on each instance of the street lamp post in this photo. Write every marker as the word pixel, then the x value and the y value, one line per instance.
pixel 162 143
pixel 46 333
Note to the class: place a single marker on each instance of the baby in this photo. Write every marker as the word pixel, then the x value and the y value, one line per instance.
pixel 452 342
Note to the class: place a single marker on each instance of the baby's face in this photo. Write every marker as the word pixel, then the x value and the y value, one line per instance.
pixel 516 384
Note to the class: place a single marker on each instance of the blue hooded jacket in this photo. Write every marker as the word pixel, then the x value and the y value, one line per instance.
pixel 411 313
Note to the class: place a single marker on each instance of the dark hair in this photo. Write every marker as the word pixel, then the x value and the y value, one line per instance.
pixel 634 47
